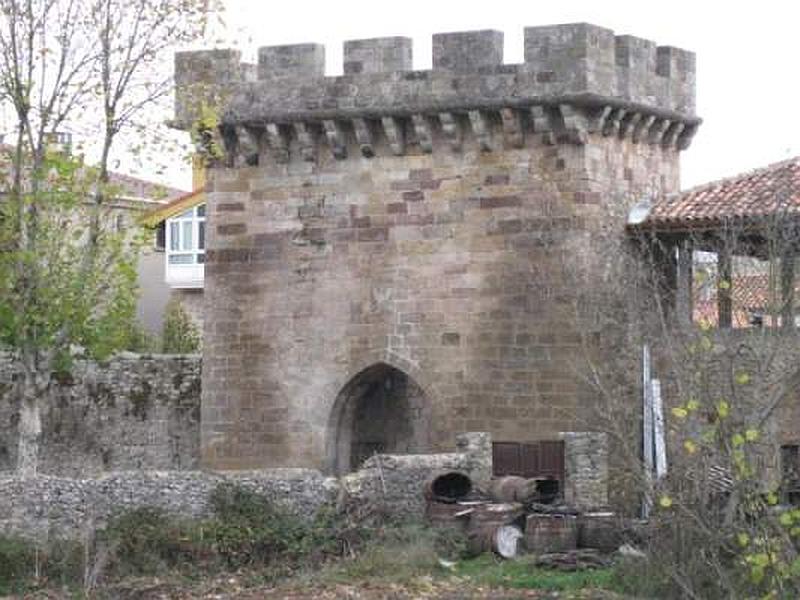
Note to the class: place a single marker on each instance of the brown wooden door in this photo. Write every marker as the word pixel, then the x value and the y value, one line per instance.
pixel 533 459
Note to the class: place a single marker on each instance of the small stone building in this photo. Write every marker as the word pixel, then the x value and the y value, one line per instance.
pixel 391 253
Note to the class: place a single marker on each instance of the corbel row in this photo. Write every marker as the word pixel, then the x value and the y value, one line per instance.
pixel 493 129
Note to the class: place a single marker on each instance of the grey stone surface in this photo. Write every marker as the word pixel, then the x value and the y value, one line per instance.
pixel 586 469
pixel 467 51
pixel 295 61
pixel 573 63
pixel 378 55
pixel 131 412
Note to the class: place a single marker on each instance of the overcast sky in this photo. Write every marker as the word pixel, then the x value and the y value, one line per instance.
pixel 748 54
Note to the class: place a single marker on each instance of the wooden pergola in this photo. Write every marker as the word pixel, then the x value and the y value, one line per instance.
pixel 754 215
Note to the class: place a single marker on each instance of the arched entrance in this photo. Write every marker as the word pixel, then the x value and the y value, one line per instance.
pixel 380 410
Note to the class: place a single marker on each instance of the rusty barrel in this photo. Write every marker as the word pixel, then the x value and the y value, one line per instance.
pixel 551 533
pixel 449 486
pixel 600 530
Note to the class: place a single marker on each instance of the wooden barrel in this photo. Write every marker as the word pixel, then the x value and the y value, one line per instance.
pixel 599 530
pixel 449 486
pixel 447 515
pixel 551 533
pixel 503 513
pixel 503 540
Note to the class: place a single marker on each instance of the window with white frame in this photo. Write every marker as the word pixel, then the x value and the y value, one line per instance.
pixel 186 237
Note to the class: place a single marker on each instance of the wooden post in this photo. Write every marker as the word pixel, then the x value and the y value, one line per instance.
pixel 724 288
pixel 787 291
pixel 685 283
pixel 665 269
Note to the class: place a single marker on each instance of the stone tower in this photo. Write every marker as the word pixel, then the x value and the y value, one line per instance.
pixel 386 263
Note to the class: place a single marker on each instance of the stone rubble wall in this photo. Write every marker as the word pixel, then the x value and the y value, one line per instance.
pixel 130 412
pixel 399 479
pixel 46 507
pixel 49 507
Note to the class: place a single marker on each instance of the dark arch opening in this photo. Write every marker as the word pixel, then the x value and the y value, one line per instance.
pixel 380 410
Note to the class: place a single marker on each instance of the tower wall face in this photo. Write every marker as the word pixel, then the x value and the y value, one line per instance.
pixel 433 221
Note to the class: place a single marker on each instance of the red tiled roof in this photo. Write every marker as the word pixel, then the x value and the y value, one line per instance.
pixel 770 191
pixel 750 294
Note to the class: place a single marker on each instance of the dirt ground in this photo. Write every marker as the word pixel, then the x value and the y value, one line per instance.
pixel 232 589
pixel 424 588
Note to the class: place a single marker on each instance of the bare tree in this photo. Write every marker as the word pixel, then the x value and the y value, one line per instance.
pixel 727 360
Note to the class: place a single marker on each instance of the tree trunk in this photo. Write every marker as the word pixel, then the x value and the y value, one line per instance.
pixel 30 433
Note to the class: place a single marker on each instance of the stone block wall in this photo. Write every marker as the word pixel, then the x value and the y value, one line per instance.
pixel 586 469
pixel 131 412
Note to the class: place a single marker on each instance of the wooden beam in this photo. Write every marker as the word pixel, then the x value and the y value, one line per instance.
pixel 684 303
pixel 724 288
pixel 787 291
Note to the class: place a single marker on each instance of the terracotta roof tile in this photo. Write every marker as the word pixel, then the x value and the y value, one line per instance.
pixel 761 193
pixel 750 294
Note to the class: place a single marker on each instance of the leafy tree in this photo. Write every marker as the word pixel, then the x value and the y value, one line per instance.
pixel 67 277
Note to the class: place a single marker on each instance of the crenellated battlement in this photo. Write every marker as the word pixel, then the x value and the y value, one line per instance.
pixel 577 80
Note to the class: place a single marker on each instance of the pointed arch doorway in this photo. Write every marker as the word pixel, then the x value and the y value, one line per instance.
pixel 380 410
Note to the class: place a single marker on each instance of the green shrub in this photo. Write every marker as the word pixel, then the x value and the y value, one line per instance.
pixel 17 563
pixel 23 564
pixel 248 529
pixel 145 541
pixel 180 335
pixel 142 341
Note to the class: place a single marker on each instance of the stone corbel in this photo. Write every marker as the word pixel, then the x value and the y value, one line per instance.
pixel 306 141
pixel 512 128
pixel 364 137
pixel 574 123
pixel 210 144
pixel 247 146
pixel 394 134
pixel 657 131
pixel 642 127
pixel 629 124
pixel 451 130
pixel 481 130
pixel 670 138
pixel 597 119
pixel 230 144
pixel 542 124
pixel 335 139
pixel 422 129
pixel 277 142
pixel 685 138
pixel 612 124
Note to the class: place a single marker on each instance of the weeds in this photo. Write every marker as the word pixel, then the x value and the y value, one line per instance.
pixel 523 574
